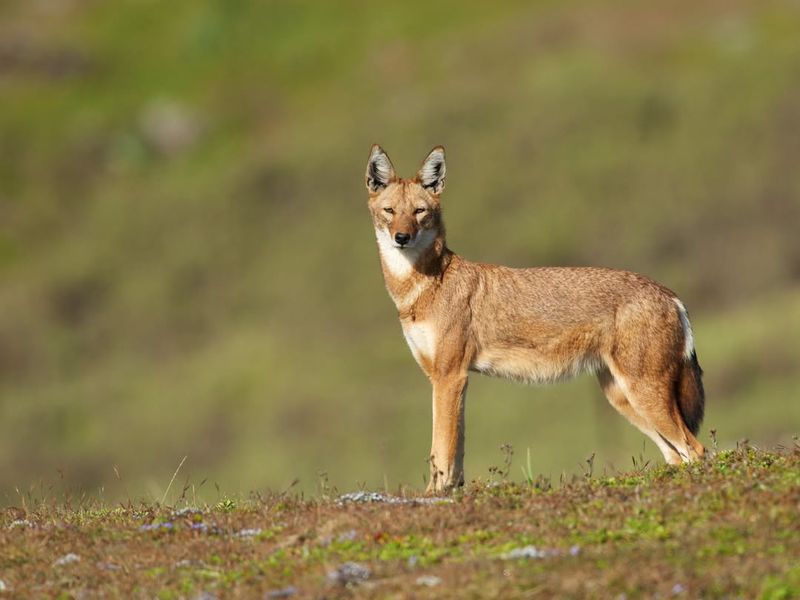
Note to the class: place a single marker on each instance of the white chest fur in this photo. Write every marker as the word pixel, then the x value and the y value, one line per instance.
pixel 421 338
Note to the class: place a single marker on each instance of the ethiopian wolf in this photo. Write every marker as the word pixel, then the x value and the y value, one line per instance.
pixel 533 325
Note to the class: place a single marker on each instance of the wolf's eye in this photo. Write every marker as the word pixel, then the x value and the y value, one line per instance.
pixel 418 211
pixel 389 210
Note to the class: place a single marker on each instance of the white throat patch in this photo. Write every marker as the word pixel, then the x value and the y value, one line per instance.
pixel 400 261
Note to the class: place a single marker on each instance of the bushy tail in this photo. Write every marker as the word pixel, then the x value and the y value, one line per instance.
pixel 691 396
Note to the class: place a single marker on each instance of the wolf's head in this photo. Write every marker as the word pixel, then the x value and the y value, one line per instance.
pixel 406 212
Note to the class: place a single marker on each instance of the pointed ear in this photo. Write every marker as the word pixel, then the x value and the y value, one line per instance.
pixel 380 171
pixel 432 172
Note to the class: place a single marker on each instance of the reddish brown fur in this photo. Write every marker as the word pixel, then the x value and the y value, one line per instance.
pixel 539 324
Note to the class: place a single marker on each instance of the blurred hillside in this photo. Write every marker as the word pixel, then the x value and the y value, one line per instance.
pixel 187 266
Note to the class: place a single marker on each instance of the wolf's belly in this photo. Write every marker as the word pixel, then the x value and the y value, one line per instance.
pixel 532 365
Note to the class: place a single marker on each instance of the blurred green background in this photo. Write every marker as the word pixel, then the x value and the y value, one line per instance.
pixel 188 268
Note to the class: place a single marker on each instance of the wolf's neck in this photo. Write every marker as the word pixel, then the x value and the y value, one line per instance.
pixel 411 273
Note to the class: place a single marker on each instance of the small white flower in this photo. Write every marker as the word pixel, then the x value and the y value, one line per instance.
pixel 349 573
pixel 187 562
pixel 532 552
pixel 429 580
pixel 347 536
pixel 249 532
pixel 377 497
pixel 286 592
pixel 67 559
pixel 187 512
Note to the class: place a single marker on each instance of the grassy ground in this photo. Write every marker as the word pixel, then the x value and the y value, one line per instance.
pixel 725 528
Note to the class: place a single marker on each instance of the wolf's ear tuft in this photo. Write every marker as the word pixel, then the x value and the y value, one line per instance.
pixel 432 172
pixel 380 171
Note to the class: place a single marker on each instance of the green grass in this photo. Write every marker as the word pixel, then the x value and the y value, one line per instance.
pixel 222 299
pixel 725 527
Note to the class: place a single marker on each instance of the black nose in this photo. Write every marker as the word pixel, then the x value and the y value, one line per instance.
pixel 402 238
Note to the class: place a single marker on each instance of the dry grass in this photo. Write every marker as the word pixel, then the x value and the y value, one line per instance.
pixel 724 528
pixel 187 265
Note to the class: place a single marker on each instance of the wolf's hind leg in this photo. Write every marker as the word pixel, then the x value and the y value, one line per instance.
pixel 656 403
pixel 616 396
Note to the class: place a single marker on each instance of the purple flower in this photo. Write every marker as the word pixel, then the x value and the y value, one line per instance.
pixel 156 526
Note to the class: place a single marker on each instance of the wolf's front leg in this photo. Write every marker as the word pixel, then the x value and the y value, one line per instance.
pixel 447 449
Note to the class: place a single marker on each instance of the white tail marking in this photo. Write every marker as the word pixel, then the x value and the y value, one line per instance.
pixel 688 335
